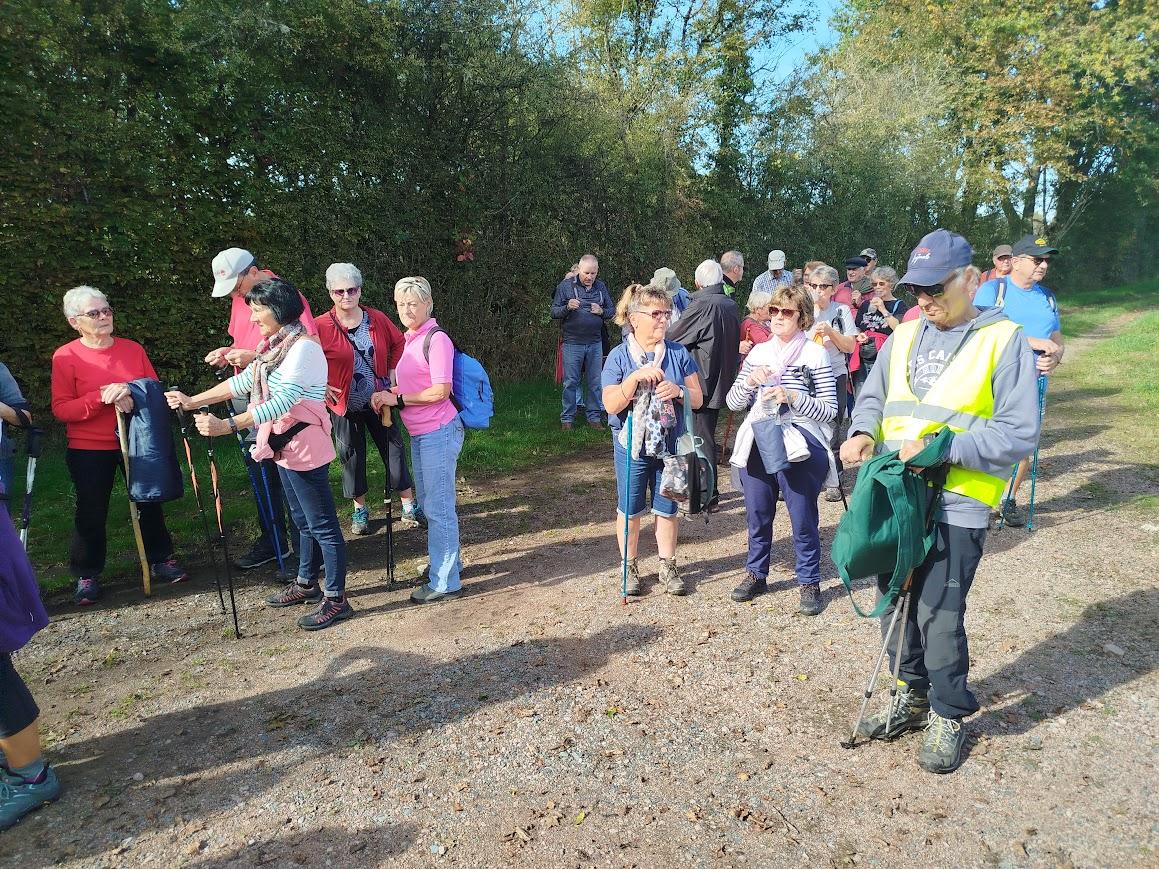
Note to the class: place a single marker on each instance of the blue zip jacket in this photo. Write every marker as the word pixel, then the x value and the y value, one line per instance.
pixel 581 326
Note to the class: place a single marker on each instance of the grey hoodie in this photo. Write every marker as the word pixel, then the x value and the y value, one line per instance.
pixel 1009 437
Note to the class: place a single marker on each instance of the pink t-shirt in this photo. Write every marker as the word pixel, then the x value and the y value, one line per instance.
pixel 245 333
pixel 415 373
pixel 912 314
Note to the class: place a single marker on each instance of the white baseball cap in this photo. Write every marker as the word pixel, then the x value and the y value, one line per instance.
pixel 776 259
pixel 227 267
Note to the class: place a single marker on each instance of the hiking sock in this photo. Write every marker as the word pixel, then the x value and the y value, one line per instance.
pixel 34 773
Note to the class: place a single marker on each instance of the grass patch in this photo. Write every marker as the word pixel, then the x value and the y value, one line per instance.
pixel 524 432
pixel 1084 311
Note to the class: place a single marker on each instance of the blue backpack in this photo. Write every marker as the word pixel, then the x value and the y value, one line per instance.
pixel 470 386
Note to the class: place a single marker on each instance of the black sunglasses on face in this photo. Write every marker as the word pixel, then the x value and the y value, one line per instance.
pixel 347 291
pixel 933 290
pixel 813 286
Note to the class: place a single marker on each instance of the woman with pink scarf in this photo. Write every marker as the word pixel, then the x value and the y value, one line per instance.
pixel 791 376
pixel 286 386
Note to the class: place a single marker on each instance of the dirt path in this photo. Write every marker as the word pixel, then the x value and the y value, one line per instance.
pixel 538 721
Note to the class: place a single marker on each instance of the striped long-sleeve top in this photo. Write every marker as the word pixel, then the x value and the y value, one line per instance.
pixel 300 377
pixel 813 407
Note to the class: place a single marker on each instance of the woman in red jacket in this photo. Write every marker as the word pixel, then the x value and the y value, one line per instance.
pixel 90 383
pixel 362 348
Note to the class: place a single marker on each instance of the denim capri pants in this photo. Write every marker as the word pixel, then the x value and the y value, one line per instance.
pixel 645 473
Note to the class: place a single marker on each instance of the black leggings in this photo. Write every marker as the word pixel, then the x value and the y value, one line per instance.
pixel 17 708
pixel 93 472
pixel 350 439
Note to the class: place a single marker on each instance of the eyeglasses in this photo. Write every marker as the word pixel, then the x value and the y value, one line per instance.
pixel 933 290
pixel 813 286
pixel 98 313
pixel 1038 260
pixel 346 291
pixel 658 316
pixel 1006 256
pixel 784 312
pixel 881 283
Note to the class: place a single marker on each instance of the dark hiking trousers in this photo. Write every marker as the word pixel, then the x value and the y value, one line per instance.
pixel 350 439
pixel 935 654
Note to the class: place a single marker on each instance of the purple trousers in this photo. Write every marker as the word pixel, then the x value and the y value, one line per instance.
pixel 802 484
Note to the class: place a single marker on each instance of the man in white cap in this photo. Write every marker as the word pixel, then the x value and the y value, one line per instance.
pixel 776 277
pixel 235 271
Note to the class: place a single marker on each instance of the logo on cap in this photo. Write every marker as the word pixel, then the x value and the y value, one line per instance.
pixel 920 253
pixel 1041 242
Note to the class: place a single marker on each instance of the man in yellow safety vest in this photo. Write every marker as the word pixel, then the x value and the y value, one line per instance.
pixel 974 372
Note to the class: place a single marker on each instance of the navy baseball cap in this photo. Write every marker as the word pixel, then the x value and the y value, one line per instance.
pixel 856 262
pixel 1033 246
pixel 937 254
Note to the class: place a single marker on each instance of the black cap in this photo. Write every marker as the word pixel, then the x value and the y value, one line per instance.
pixel 1033 245
pixel 856 262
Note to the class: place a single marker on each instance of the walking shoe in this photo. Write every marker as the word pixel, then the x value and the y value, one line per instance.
pixel 910 710
pixel 596 423
pixel 168 571
pixel 566 426
pixel 749 587
pixel 941 749
pixel 426 594
pixel 413 515
pixel 671 578
pixel 328 613
pixel 294 594
pixel 632 586
pixel 19 796
pixel 1015 518
pixel 811 599
pixel 262 552
pixel 360 520
pixel 832 494
pixel 88 591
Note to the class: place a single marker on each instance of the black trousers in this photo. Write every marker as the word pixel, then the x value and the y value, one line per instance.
pixel 935 653
pixel 17 708
pixel 350 439
pixel 93 472
pixel 704 427
pixel 842 405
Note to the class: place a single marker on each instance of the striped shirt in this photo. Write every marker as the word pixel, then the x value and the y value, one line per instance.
pixel 816 405
pixel 300 377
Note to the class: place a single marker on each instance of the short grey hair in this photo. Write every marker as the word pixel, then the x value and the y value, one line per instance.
pixel 758 299
pixel 588 258
pixel 826 274
pixel 885 273
pixel 74 299
pixel 343 272
pixel 708 273
pixel 415 286
pixel 731 259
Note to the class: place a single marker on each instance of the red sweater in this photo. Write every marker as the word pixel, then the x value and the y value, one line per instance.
pixel 78 373
pixel 388 345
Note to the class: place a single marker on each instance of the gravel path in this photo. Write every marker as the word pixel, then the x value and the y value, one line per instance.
pixel 537 721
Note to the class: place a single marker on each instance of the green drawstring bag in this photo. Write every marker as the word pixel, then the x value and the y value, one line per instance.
pixel 888 528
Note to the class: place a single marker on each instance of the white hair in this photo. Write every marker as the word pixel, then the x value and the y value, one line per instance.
pixel 415 286
pixel 74 299
pixel 343 272
pixel 588 258
pixel 826 274
pixel 886 274
pixel 758 299
pixel 708 273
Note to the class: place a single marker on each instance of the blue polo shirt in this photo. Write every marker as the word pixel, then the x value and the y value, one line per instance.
pixel 678 364
pixel 1032 309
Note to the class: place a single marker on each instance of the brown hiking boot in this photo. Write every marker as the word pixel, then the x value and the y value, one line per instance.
pixel 670 577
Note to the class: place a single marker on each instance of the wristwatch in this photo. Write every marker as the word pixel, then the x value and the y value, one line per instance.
pixel 233 425
pixel 401 404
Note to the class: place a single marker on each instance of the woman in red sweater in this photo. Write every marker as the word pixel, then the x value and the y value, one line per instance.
pixel 90 383
pixel 362 348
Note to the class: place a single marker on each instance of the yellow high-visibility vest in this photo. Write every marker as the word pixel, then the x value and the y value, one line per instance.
pixel 961 399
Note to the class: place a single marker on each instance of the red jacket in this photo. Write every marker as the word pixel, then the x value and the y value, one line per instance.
pixel 388 344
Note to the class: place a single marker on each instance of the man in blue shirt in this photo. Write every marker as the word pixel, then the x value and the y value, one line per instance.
pixel 583 304
pixel 1033 307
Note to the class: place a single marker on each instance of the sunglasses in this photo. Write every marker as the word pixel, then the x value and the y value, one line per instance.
pixel 933 290
pixel 881 283
pixel 97 313
pixel 813 286
pixel 784 312
pixel 346 291
pixel 658 316
pixel 1038 260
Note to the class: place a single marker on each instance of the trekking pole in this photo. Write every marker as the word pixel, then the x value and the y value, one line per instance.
pixel 184 422
pixel 1042 381
pixel 216 484
pixel 32 446
pixel 134 514
pixel 627 510
pixel 869 685
pixel 897 652
pixel 1006 497
pixel 388 421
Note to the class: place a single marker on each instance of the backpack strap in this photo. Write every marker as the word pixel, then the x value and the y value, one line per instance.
pixel 1000 295
pixel 427 343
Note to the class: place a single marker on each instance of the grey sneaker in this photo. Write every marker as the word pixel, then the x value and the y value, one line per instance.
pixel 910 708
pixel 811 600
pixel 832 494
pixel 360 520
pixel 670 576
pixel 632 587
pixel 426 594
pixel 1015 518
pixel 941 749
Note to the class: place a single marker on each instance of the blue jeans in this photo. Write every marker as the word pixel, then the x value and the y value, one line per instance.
pixel 645 471
pixel 586 359
pixel 433 457
pixel 320 540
